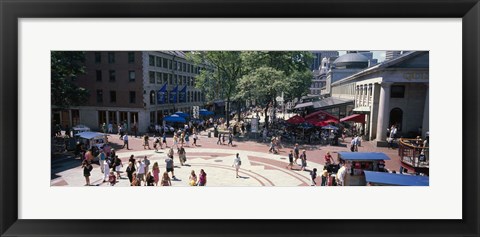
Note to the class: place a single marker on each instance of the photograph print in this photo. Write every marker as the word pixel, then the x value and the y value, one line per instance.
pixel 239 118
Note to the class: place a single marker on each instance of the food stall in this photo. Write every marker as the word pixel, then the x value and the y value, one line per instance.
pixel 388 179
pixel 358 162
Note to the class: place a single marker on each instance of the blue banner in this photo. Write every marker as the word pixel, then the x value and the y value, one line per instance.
pixel 173 95
pixel 182 95
pixel 161 94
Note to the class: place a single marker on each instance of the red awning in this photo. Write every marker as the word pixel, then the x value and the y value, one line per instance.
pixel 320 116
pixel 295 120
pixel 358 118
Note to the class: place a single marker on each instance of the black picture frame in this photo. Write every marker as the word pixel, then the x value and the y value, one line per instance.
pixel 11 11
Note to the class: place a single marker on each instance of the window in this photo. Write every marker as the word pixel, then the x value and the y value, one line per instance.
pixel 113 97
pixel 158 76
pixel 175 66
pixel 111 75
pixel 131 57
pixel 175 80
pixel 165 63
pixel 170 79
pixel 151 76
pixel 99 75
pixel 152 97
pixel 151 60
pixel 188 68
pixel 99 96
pixel 152 117
pixel 111 57
pixel 159 62
pixel 132 97
pixel 169 64
pixel 184 67
pixel 179 66
pixel 131 75
pixel 397 91
pixel 98 57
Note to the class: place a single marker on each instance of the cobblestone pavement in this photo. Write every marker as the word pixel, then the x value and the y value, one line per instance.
pixel 259 167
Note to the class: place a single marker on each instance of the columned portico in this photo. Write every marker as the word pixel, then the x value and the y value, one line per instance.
pixel 383 113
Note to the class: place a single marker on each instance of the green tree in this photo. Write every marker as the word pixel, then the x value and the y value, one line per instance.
pixel 219 79
pixel 66 66
pixel 272 72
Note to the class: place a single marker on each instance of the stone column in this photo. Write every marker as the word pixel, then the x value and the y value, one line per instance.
pixel 425 124
pixel 118 118
pixel 70 119
pixel 362 94
pixel 383 111
pixel 107 117
pixel 128 123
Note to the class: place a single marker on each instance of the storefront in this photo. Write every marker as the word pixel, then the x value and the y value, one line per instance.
pixel 358 162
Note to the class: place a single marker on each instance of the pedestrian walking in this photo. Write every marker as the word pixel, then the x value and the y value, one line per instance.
pixel 145 141
pixel 290 160
pixel 303 158
pixel 130 171
pixel 101 159
pixel 223 139
pixel 328 159
pixel 118 166
pixel 237 163
pixel 87 168
pixel 149 180
pixel 135 180
pixel 166 180
pixel 230 139
pixel 112 179
pixel 202 179
pixel 324 178
pixel 195 138
pixel 164 139
pixel 156 143
pixel 175 141
pixel 106 171
pixel 182 138
pixel 156 172
pixel 182 155
pixel 125 141
pixel 313 176
pixel 192 180
pixel 110 127
pixel 146 161
pixel 187 139
pixel 169 166
pixel 141 171
pixel 219 141
pixel 296 153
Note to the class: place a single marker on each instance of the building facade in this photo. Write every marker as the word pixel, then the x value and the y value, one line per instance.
pixel 394 92
pixel 134 88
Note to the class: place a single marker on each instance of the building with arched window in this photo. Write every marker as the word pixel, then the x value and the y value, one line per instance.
pixel 394 92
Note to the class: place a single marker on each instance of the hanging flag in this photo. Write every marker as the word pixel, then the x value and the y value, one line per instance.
pixel 182 95
pixel 173 95
pixel 161 94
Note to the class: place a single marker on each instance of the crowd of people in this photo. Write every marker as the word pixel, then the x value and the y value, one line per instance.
pixel 138 171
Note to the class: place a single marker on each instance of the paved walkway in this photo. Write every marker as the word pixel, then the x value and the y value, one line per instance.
pixel 259 168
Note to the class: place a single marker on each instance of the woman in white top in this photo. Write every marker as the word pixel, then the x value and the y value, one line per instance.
pixel 237 163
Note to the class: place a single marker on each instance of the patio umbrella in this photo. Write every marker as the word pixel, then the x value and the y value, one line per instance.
pixel 329 127
pixel 204 112
pixel 296 120
pixel 182 114
pixel 175 118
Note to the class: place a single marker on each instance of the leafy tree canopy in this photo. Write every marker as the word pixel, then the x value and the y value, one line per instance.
pixel 65 67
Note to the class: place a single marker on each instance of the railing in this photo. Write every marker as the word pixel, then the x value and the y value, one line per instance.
pixel 413 153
